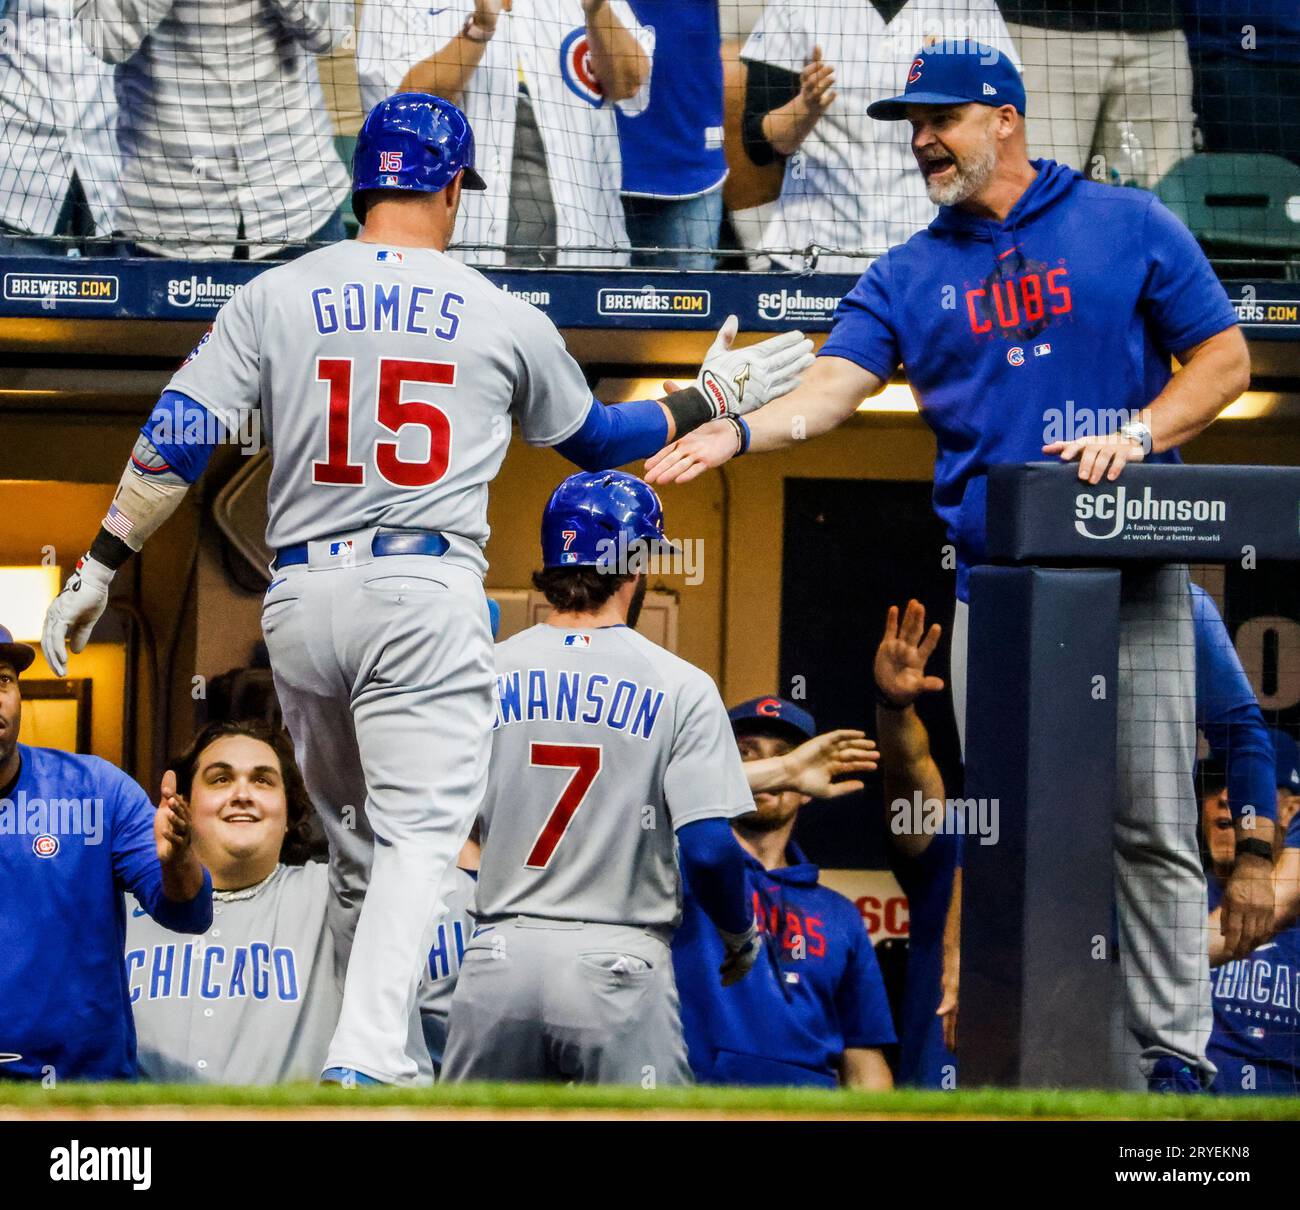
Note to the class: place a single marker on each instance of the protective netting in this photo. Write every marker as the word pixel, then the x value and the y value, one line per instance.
pixel 673 133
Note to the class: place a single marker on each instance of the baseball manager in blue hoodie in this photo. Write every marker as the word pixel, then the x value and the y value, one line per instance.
pixel 1036 294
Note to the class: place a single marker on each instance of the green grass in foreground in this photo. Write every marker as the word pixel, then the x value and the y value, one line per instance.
pixel 986 1102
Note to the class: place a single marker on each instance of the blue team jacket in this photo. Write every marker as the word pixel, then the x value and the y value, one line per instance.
pixel 75 832
pixel 815 990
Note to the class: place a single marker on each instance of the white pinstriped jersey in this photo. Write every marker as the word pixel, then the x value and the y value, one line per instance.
pixel 57 117
pixel 605 744
pixel 387 379
pixel 546 42
pixel 222 119
pixel 855 184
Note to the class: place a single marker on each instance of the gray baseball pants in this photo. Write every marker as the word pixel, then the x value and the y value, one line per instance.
pixel 562 1000
pixel 383 667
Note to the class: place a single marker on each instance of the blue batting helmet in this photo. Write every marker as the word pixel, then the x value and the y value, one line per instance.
pixel 593 516
pixel 413 141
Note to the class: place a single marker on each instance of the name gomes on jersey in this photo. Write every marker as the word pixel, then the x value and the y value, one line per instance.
pixel 213 972
pixel 548 695
pixel 387 307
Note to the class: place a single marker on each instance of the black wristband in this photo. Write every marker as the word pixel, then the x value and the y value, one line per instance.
pixel 1254 847
pixel 884 703
pixel 689 409
pixel 109 550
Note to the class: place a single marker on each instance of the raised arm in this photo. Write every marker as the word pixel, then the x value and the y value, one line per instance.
pixel 447 72
pixel 900 675
pixel 617 59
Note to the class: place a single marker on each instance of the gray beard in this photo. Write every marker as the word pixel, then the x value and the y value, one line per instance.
pixel 967 180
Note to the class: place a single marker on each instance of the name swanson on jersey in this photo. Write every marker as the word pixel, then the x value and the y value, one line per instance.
pixel 577 697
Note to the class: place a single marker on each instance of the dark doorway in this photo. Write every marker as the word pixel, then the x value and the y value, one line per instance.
pixel 852 549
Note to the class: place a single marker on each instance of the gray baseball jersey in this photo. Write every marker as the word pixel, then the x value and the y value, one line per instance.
pixel 387 378
pixel 445 956
pixel 252 1001
pixel 604 744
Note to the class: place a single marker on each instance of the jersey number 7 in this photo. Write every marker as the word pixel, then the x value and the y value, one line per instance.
pixel 391 411
pixel 584 760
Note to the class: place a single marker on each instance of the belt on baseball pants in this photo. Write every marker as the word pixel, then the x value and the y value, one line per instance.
pixel 390 542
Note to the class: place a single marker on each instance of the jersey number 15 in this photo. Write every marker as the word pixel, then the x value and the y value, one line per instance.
pixel 392 412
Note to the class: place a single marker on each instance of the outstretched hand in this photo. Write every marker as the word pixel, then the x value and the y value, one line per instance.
pixel 904 650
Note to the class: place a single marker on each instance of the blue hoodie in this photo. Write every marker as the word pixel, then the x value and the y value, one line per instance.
pixel 1015 334
pixel 815 991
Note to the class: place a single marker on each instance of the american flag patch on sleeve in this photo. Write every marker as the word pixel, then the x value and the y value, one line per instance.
pixel 117 522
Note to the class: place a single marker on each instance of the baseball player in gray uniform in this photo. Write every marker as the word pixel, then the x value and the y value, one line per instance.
pixel 255 998
pixel 604 746
pixel 387 375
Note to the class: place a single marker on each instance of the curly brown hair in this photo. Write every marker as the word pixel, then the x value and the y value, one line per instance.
pixel 578 589
pixel 295 850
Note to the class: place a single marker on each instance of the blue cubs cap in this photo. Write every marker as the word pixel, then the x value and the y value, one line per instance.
pixel 772 714
pixel 594 517
pixel 20 655
pixel 1286 756
pixel 953 73
pixel 413 141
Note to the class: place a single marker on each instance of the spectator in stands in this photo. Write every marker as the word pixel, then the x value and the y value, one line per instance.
pixel 1245 57
pixel 925 862
pixel 850 183
pixel 225 144
pixel 813 1011
pixel 539 86
pixel 74 834
pixel 673 162
pixel 1255 1043
pixel 58 155
pixel 1108 85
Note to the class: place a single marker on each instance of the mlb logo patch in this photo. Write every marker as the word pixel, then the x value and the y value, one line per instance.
pixel 341 550
pixel 1042 350
pixel 45 845
pixel 577 640
pixel 390 256
pixel 388 182
pixel 570 557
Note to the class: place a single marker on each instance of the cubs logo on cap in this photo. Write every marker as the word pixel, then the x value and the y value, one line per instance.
pixel 955 71
pixel 772 715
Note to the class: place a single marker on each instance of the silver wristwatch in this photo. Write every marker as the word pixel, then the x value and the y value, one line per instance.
pixel 1135 430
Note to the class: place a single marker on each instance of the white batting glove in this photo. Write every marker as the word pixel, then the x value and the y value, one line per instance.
pixel 742 952
pixel 73 613
pixel 736 381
